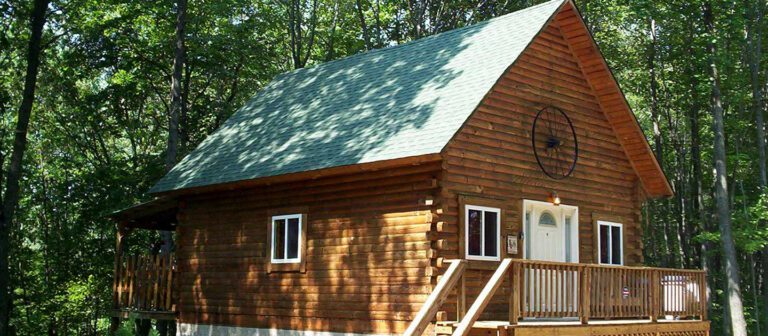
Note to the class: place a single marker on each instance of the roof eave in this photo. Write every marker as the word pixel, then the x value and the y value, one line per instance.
pixel 304 175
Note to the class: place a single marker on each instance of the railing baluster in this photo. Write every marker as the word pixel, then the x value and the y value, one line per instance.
pixel 658 295
pixel 600 294
pixel 551 286
pixel 538 292
pixel 586 286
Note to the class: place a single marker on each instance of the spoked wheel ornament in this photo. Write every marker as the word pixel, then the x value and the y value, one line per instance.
pixel 554 143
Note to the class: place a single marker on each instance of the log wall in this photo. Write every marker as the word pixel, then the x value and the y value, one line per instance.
pixel 369 256
pixel 491 157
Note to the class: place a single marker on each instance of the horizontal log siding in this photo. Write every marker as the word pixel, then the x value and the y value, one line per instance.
pixel 369 255
pixel 492 157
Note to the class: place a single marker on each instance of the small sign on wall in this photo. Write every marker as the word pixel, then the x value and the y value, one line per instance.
pixel 512 244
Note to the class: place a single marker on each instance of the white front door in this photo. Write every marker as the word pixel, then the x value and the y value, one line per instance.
pixel 547 232
pixel 551 232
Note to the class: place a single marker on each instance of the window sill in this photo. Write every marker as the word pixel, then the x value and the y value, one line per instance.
pixel 286 267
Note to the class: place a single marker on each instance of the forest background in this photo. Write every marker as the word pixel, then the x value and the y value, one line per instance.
pixel 99 98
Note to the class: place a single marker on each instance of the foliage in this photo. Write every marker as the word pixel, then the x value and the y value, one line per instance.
pixel 100 121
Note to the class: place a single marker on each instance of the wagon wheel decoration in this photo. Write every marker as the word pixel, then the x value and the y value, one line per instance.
pixel 554 143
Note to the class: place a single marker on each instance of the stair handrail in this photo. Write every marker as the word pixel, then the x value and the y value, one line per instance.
pixel 465 326
pixel 437 297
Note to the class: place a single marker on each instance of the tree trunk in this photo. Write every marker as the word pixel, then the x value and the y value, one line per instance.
pixel 11 196
pixel 416 14
pixel 294 29
pixel 329 51
pixel 184 130
pixel 655 115
pixel 295 18
pixel 753 288
pixel 754 49
pixel 733 287
pixel 697 196
pixel 311 37
pixel 178 67
pixel 363 24
pixel 377 17
pixel 162 328
pixel 668 255
pixel 142 327
pixel 177 107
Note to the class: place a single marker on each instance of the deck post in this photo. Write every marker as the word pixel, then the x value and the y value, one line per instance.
pixel 461 300
pixel 703 299
pixel 585 284
pixel 122 232
pixel 514 297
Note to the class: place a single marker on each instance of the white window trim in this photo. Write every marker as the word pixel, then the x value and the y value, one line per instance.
pixel 467 208
pixel 285 243
pixel 610 243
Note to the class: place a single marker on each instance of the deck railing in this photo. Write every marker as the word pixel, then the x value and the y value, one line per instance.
pixel 145 283
pixel 553 290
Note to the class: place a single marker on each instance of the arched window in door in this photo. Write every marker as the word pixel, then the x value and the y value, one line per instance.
pixel 547 219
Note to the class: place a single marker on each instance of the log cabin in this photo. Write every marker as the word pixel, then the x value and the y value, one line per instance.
pixel 487 180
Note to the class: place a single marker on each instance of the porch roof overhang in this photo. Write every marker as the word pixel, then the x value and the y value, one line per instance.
pixel 157 214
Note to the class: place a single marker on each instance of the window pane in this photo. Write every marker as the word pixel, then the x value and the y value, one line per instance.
pixel 293 238
pixel 491 222
pixel 278 243
pixel 604 234
pixel 547 219
pixel 473 232
pixel 616 245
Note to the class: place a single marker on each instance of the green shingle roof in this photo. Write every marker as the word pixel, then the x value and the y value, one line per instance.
pixel 396 102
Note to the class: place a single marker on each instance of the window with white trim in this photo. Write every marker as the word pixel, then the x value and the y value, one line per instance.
pixel 286 239
pixel 610 243
pixel 483 232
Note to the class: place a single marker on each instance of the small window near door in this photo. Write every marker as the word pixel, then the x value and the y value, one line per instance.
pixel 611 247
pixel 482 229
pixel 286 239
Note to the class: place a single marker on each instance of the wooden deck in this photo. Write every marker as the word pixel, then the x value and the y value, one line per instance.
pixel 550 298
pixel 576 328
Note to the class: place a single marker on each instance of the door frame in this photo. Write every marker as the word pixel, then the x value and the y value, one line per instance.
pixel 574 234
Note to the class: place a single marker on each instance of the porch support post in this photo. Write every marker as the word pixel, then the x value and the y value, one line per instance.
pixel 461 300
pixel 514 298
pixel 703 299
pixel 122 232
pixel 656 295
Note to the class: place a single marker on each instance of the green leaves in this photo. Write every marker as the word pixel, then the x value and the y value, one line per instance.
pixel 100 121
